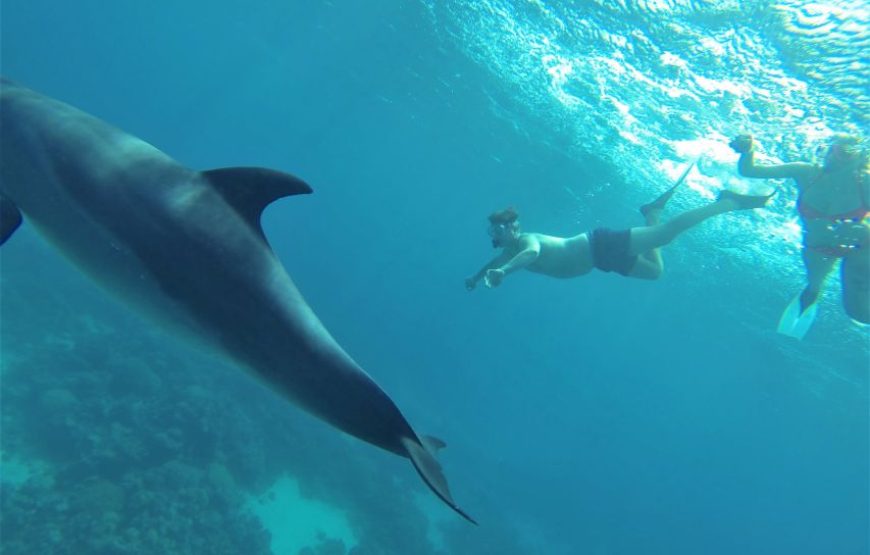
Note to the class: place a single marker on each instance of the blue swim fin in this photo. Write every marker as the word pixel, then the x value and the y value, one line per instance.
pixel 795 324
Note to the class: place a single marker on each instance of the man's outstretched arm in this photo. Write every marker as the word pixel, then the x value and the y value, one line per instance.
pixel 529 253
pixel 471 282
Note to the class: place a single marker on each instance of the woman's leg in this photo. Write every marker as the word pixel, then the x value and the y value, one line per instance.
pixel 855 274
pixel 818 267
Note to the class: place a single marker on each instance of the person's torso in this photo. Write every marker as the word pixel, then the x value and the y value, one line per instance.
pixel 834 209
pixel 834 196
pixel 563 257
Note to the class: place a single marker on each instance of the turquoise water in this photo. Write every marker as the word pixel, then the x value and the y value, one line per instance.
pixel 601 415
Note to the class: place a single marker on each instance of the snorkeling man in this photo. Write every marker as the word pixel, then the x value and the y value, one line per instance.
pixel 633 253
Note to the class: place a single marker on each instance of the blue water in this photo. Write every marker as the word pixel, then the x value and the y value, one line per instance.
pixel 600 415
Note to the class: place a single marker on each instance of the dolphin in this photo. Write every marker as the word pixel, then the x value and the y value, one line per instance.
pixel 186 249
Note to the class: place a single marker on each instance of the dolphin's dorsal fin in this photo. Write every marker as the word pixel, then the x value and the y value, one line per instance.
pixel 10 219
pixel 430 471
pixel 250 190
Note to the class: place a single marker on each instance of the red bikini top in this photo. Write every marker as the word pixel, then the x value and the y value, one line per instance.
pixel 809 213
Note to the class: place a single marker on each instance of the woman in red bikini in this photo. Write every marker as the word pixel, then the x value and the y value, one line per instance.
pixel 834 205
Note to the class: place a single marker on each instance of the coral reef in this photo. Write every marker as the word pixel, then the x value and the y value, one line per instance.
pixel 146 446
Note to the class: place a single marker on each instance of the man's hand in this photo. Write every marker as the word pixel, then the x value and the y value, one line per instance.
pixel 493 278
pixel 742 144
pixel 470 283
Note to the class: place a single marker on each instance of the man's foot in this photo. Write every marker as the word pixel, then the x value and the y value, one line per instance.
pixel 744 202
pixel 659 204
pixel 654 208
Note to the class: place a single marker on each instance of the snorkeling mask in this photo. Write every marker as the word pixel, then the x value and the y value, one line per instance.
pixel 499 231
pixel 843 148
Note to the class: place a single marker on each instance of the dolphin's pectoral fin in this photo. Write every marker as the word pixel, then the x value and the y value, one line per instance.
pixel 10 219
pixel 250 190
pixel 430 471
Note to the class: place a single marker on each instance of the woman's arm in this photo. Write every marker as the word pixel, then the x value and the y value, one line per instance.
pixel 747 167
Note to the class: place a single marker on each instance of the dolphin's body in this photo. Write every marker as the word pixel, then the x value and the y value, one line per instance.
pixel 186 247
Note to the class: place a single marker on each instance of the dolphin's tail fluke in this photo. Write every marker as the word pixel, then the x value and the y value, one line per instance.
pixel 429 469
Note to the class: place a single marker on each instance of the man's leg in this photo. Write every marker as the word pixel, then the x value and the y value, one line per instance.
pixel 659 204
pixel 646 239
pixel 646 268
pixel 649 264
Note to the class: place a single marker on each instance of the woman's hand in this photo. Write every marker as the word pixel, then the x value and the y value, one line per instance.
pixel 742 144
pixel 493 278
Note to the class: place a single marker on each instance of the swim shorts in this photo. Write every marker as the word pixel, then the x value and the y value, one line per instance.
pixel 610 250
